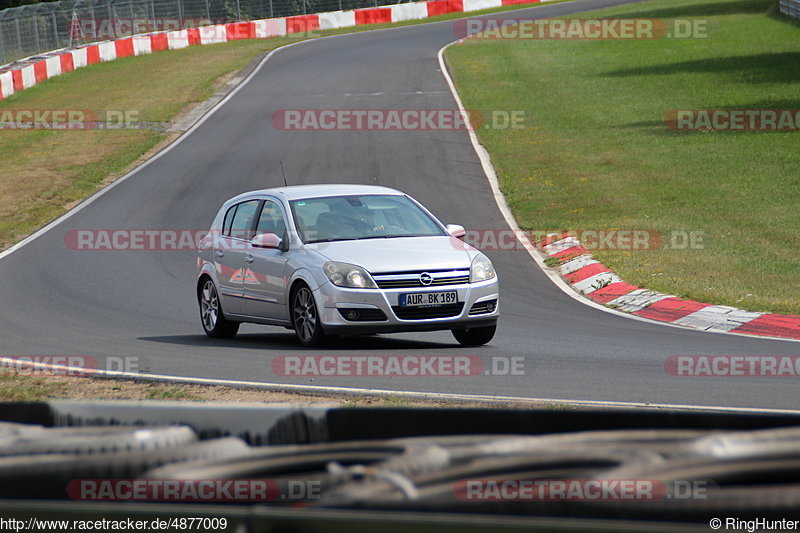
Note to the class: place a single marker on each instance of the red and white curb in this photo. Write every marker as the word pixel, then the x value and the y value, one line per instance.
pixel 597 282
pixel 28 72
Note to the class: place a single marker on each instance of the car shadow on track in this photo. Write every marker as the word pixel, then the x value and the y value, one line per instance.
pixel 287 341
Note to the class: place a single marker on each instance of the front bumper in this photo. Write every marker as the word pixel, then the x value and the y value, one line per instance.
pixel 332 300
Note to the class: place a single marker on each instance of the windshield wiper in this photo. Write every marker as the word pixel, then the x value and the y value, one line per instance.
pixel 330 240
pixel 367 237
pixel 386 237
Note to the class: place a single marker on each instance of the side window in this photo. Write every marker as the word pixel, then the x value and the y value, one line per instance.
pixel 242 225
pixel 226 224
pixel 271 220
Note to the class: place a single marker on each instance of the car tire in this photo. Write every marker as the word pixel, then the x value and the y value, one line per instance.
pixel 474 336
pixel 305 318
pixel 212 317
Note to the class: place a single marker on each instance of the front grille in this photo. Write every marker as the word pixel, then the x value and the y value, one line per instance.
pixel 421 313
pixel 362 314
pixel 481 308
pixel 410 280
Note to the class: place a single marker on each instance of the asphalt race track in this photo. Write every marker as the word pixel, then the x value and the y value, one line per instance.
pixel 54 300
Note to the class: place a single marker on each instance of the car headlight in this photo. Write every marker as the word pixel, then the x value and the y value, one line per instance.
pixel 346 275
pixel 481 269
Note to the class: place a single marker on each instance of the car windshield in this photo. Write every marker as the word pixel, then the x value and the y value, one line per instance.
pixel 373 216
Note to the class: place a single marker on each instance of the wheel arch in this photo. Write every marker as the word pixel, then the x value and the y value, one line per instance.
pixel 207 272
pixel 201 280
pixel 299 276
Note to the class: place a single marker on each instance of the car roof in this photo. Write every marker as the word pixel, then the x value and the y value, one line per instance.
pixel 296 192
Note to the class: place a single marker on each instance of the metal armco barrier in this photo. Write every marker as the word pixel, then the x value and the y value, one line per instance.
pixel 791 8
pixel 37 28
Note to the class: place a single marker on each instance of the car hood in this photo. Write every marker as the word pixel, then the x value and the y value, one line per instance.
pixel 400 254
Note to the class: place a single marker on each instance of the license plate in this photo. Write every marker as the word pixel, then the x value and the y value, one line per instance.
pixel 428 299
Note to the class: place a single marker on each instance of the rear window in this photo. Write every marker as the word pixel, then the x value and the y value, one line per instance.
pixel 226 225
pixel 241 225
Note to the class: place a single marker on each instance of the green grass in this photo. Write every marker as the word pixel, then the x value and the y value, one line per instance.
pixel 46 172
pixel 555 406
pixel 169 393
pixel 595 152
pixel 17 388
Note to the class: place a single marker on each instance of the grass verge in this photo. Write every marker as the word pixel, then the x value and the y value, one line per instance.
pixel 596 154
pixel 25 386
pixel 45 172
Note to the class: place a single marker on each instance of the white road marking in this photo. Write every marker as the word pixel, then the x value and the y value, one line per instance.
pixel 536 255
pixel 288 387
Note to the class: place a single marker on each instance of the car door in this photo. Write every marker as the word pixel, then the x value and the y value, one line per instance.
pixel 265 277
pixel 229 253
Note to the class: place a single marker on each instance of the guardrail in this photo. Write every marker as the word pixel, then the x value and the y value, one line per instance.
pixel 37 28
pixel 26 73
pixel 791 8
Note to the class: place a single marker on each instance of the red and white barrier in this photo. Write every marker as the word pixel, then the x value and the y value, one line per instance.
pixel 337 19
pixel 413 11
pixel 6 83
pixel 598 283
pixel 29 73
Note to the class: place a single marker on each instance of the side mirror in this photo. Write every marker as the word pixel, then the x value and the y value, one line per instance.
pixel 456 231
pixel 266 240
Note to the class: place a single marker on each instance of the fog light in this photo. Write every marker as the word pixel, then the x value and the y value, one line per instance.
pixel 490 306
pixel 352 315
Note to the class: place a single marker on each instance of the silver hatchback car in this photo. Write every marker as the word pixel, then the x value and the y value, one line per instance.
pixel 342 259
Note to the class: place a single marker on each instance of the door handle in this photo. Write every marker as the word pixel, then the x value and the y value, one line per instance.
pixel 219 254
pixel 249 258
